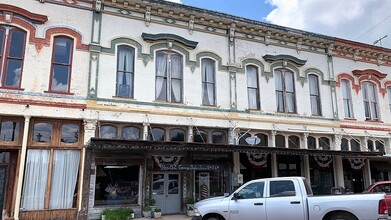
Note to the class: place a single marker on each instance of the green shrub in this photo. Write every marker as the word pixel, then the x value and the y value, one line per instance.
pixel 158 210
pixel 147 208
pixel 190 200
pixel 151 202
pixel 117 213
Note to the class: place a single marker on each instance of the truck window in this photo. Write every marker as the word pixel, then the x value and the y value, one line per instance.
pixel 282 188
pixel 252 191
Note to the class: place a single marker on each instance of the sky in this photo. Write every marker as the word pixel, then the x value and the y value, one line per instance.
pixel 364 21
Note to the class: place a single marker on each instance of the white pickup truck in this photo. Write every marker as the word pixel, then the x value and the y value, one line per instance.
pixel 289 198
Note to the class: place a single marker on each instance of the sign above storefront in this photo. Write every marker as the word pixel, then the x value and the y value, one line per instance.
pixel 188 167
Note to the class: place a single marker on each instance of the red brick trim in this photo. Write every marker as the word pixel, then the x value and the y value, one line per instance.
pixel 361 78
pixel 35 18
pixel 365 128
pixel 369 72
pixel 42 103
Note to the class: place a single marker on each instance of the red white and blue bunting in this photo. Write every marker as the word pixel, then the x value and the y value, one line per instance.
pixel 166 161
pixel 357 163
pixel 323 160
pixel 257 160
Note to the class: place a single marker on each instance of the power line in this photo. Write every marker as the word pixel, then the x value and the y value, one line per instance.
pixel 389 16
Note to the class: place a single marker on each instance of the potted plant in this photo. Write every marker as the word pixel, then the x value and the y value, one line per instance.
pixel 147 210
pixel 151 203
pixel 117 214
pixel 190 206
pixel 157 213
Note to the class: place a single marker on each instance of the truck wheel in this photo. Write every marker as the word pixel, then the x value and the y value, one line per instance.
pixel 341 216
pixel 213 218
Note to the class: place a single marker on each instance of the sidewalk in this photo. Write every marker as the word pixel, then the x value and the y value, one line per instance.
pixel 168 217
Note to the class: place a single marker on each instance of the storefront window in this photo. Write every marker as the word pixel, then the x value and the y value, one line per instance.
pixel 42 132
pixel 107 131
pixel 70 133
pixel 200 136
pixel 156 134
pixel 294 142
pixel 177 135
pixel 116 184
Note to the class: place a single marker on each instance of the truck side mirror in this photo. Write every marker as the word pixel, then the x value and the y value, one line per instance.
pixel 236 196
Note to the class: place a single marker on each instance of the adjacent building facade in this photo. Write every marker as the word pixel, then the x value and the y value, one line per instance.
pixel 113 103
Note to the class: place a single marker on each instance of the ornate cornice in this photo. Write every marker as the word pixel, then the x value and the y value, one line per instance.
pixel 369 72
pixel 282 57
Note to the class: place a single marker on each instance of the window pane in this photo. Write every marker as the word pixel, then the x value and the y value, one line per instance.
pixel 355 145
pixel 157 134
pixel 311 142
pixel 42 132
pixel 35 179
pixel 282 188
pixel 208 70
pixel 176 90
pixel 17 44
pixel 5 157
pixel 278 78
pixel 252 191
pixel 280 101
pixel 344 144
pixel 70 133
pixel 219 137
pixel 9 131
pixel 125 68
pixel 280 141
pixel 14 68
pixel 63 50
pixel 1 41
pixel 200 136
pixel 108 131
pixel 294 142
pixel 177 135
pixel 60 78
pixel 289 82
pixel 313 85
pixel 64 179
pixel 131 133
pixel 263 139
pixel 324 143
pixel 380 146
pixel 370 145
pixel 242 140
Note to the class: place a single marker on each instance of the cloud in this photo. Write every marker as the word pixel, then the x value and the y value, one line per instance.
pixel 175 1
pixel 364 21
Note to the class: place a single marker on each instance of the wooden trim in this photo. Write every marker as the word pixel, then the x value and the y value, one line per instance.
pixel 49 180
pixel 20 131
pixel 35 18
pixel 59 214
pixel 2 46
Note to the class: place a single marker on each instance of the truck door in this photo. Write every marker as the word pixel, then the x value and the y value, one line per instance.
pixel 248 203
pixel 285 201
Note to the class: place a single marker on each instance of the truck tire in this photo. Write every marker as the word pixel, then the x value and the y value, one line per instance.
pixel 340 216
pixel 213 218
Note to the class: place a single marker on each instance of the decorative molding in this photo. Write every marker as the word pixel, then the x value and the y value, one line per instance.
pixel 191 24
pixel 147 17
pixel 169 37
pixel 34 18
pixel 369 72
pixel 282 57
pixel 362 78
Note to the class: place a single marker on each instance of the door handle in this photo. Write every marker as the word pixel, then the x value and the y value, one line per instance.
pixel 258 203
pixel 295 202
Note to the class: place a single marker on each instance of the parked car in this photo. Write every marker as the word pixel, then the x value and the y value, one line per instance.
pixel 382 186
pixel 289 198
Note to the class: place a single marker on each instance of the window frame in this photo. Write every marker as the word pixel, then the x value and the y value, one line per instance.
pixel 20 130
pixel 347 101
pixel 389 97
pixel 369 104
pixel 131 73
pixel 315 96
pixel 257 88
pixel 168 77
pixel 205 83
pixel 5 57
pixel 284 92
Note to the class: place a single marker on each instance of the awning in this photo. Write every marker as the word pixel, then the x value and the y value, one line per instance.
pixel 100 144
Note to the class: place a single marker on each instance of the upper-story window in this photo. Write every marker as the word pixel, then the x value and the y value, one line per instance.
pixel 169 74
pixel 61 65
pixel 314 95
pixel 125 71
pixel 389 97
pixel 370 101
pixel 12 43
pixel 252 87
pixel 208 81
pixel 347 98
pixel 285 91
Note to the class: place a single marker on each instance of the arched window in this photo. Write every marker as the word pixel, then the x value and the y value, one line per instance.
pixel 311 142
pixel 9 130
pixel 42 132
pixel 169 74
pixel 108 131
pixel 252 87
pixel 280 141
pixel 125 71
pixel 61 64
pixel 208 81
pixel 156 134
pixel 380 146
pixel 242 140
pixel 355 145
pixel 293 141
pixel 285 91
pixel 314 95
pixel 347 98
pixel 219 137
pixel 370 145
pixel 370 101
pixel 11 56
pixel 200 136
pixel 131 133
pixel 264 139
pixel 177 135
pixel 344 144
pixel 324 143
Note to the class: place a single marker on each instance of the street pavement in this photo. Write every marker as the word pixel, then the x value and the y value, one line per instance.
pixel 168 217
